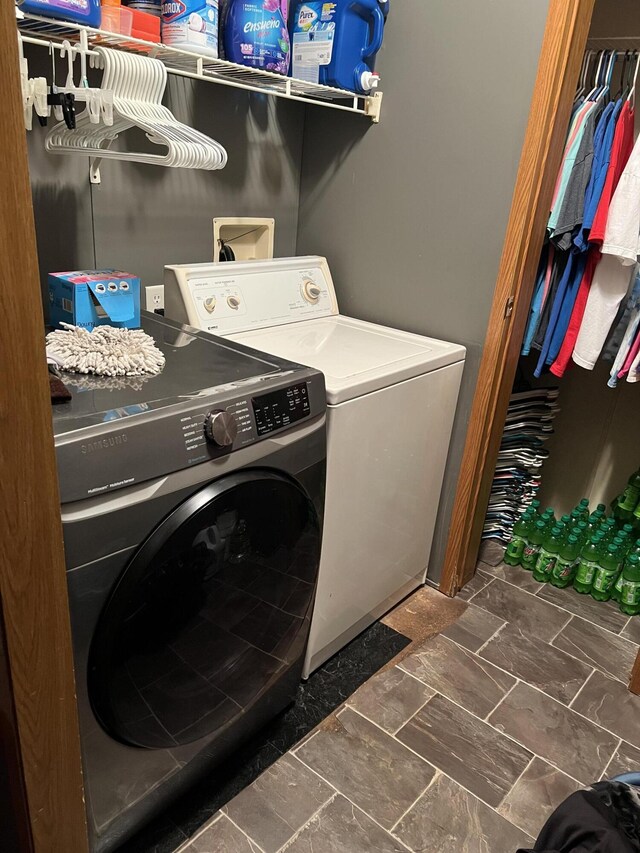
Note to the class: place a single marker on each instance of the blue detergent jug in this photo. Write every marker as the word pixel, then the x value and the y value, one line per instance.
pixel 256 34
pixel 336 43
pixel 85 12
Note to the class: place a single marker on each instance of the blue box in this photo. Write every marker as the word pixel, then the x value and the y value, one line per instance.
pixel 89 298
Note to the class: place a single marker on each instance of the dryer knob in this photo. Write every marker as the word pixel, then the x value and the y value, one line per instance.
pixel 221 428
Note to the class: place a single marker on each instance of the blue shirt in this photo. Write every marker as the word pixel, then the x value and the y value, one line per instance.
pixel 603 142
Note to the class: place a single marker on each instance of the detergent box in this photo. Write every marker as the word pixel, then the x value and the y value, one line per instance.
pixel 90 298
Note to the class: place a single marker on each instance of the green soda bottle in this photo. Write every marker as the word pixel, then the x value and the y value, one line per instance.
pixel 630 592
pixel 616 592
pixel 519 536
pixel 628 529
pixel 566 563
pixel 635 548
pixel 636 518
pixel 601 508
pixel 606 574
pixel 583 531
pixel 549 519
pixel 535 504
pixel 566 519
pixel 532 548
pixel 588 564
pixel 610 529
pixel 583 508
pixel 547 555
pixel 628 500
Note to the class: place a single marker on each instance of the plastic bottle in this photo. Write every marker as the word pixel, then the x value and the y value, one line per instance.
pixel 630 592
pixel 566 519
pixel 532 548
pixel 547 555
pixel 549 520
pixel 628 500
pixel 191 25
pixel 255 34
pixel 606 574
pixel 583 531
pixel 587 565
pixel 519 538
pixel 609 529
pixel 535 504
pixel 635 548
pixel 85 12
pixel 583 506
pixel 336 43
pixel 566 563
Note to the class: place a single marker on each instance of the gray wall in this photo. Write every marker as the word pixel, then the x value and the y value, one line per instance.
pixel 412 212
pixel 141 217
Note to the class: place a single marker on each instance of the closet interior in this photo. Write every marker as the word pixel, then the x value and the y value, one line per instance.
pixel 571 432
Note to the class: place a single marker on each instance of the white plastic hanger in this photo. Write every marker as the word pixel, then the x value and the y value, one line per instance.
pixel 138 84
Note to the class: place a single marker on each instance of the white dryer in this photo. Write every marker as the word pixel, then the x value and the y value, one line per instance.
pixel 391 402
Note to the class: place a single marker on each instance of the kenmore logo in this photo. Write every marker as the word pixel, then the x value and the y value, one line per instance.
pixel 104 443
pixel 256 27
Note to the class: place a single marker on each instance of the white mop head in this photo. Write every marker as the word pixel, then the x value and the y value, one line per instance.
pixel 105 351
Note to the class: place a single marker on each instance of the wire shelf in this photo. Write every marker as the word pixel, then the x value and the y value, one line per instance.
pixel 44 31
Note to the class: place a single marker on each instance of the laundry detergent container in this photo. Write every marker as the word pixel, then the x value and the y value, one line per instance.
pixel 336 43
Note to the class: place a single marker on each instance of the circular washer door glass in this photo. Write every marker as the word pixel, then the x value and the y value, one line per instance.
pixel 210 612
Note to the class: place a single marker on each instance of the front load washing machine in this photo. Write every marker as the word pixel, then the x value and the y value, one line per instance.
pixel 191 507
pixel 391 401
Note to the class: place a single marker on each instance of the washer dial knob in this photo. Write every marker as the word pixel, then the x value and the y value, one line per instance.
pixel 233 302
pixel 311 291
pixel 220 428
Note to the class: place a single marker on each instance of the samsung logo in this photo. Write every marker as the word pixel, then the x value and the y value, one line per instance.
pixel 103 443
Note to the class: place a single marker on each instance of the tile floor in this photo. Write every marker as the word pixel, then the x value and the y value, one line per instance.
pixel 465 742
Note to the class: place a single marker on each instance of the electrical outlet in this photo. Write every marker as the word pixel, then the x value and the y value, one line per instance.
pixel 154 298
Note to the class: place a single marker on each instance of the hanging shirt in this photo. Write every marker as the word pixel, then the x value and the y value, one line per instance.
pixel 566 350
pixel 540 294
pixel 634 358
pixel 572 207
pixel 612 347
pixel 631 320
pixel 611 283
pixel 620 153
pixel 566 282
pixel 559 264
pixel 571 146
pixel 622 236
pixel 567 301
pixel 603 144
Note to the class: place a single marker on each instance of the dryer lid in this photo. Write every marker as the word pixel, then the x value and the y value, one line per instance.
pixel 356 357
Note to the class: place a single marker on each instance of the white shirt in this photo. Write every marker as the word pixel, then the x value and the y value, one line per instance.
pixel 622 235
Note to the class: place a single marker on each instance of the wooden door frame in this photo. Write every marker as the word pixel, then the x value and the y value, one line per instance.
pixel 38 713
pixel 563 46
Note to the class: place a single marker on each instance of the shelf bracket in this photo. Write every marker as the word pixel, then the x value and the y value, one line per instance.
pixel 94 169
pixel 374 106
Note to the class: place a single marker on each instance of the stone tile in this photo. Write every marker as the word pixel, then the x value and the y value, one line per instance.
pixel 369 767
pixel 575 745
pixel 537 793
pixel 539 664
pixel 390 698
pixel 424 614
pixel 465 748
pixel 491 552
pixel 281 801
pixel 609 704
pixel 222 837
pixel 533 616
pixel 598 648
pixel 603 613
pixel 477 582
pixel 341 827
pixel 459 674
pixel 473 628
pixel 447 819
pixel 632 630
pixel 514 575
pixel 625 760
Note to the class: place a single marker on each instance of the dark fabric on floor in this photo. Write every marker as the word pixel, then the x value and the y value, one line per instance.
pixel 603 819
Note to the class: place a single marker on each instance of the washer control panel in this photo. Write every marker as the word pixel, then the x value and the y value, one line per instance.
pixel 235 297
pixel 281 408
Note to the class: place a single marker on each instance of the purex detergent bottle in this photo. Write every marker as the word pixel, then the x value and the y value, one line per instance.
pixel 256 34
pixel 336 43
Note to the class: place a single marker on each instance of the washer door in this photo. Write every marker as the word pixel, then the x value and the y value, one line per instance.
pixel 213 608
